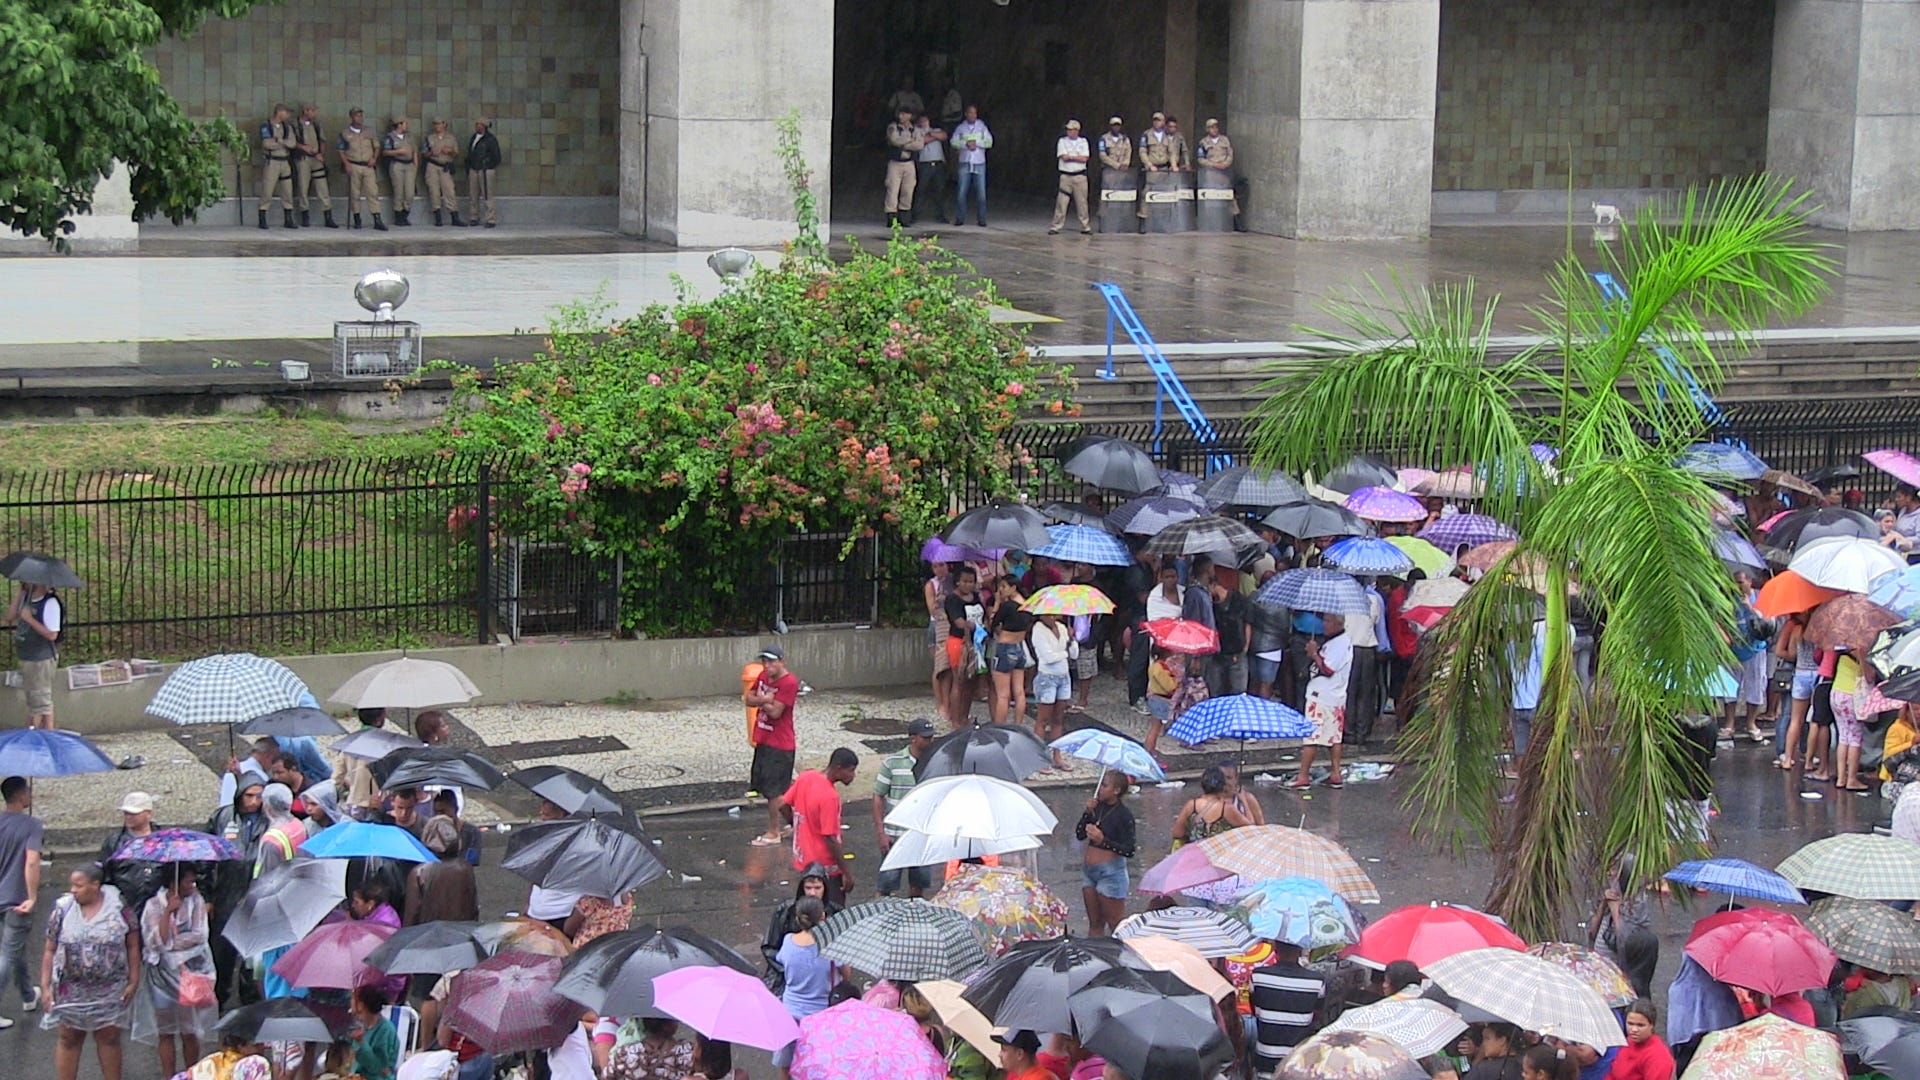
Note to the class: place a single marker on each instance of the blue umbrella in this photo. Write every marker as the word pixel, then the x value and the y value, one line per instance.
pixel 1736 877
pixel 1085 544
pixel 362 839
pixel 1721 461
pixel 1738 552
pixel 35 752
pixel 1109 751
pixel 1299 911
pixel 1239 716
pixel 1313 589
pixel 1898 593
pixel 1367 555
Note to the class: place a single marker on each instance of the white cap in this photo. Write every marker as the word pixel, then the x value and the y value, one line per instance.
pixel 137 802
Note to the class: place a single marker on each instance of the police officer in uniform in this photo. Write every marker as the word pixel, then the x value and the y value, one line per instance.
pixel 442 151
pixel 1216 152
pixel 1156 155
pixel 1116 152
pixel 276 172
pixel 359 154
pixel 397 150
pixel 904 143
pixel 310 166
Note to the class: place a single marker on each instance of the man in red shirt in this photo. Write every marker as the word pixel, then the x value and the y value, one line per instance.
pixel 815 807
pixel 774 696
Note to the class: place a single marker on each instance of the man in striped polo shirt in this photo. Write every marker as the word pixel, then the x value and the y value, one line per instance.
pixel 1287 1003
pixel 896 778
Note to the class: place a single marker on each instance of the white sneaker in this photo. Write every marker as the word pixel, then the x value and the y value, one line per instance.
pixel 5 1023
pixel 33 1003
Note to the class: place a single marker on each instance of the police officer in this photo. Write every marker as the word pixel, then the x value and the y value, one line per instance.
pixel 359 155
pixel 1156 155
pixel 1116 151
pixel 276 171
pixel 397 150
pixel 310 166
pixel 904 143
pixel 1216 152
pixel 1182 159
pixel 442 151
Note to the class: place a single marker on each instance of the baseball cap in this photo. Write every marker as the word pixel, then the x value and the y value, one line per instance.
pixel 920 727
pixel 1073 125
pixel 1211 120
pixel 136 802
pixel 1159 116
pixel 772 652
pixel 1115 120
pixel 1025 1040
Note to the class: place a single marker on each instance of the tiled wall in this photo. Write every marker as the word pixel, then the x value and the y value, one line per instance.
pixel 1624 93
pixel 546 71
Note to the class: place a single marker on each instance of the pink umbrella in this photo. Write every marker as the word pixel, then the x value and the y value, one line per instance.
pixel 1180 871
pixel 1385 504
pixel 721 1003
pixel 1767 525
pixel 506 1003
pixel 857 1041
pixel 1898 464
pixel 334 956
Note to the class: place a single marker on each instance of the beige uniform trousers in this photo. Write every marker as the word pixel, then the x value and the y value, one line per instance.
pixel 1073 186
pixel 276 179
pixel 480 192
pixel 363 190
pixel 440 193
pixel 400 175
pixel 900 184
pixel 311 173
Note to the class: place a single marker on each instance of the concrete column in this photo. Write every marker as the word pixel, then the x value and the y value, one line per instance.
pixel 1331 104
pixel 1181 65
pixel 703 84
pixel 1844 118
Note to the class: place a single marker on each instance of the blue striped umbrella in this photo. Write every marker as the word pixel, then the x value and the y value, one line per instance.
pixel 1313 589
pixel 1367 555
pixel 1085 544
pixel 1736 877
pixel 1109 751
pixel 1239 716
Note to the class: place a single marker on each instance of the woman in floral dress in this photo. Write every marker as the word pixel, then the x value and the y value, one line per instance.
pixel 87 973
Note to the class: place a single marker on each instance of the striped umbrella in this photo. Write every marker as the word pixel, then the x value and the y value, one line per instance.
pixel 1210 933
pixel 1239 716
pixel 1313 589
pixel 1109 751
pixel 1858 865
pixel 1259 852
pixel 1250 488
pixel 1385 504
pixel 1367 556
pixel 1869 934
pixel 1427 559
pixel 1453 530
pixel 1530 992
pixel 1736 877
pixel 903 939
pixel 1299 911
pixel 1085 544
pixel 1072 600
pixel 1416 1025
pixel 1149 514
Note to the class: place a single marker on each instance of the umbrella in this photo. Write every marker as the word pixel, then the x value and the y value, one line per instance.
pixel 1150 514
pixel 1210 933
pixel 1084 544
pixel 1108 462
pixel 1368 556
pixel 1416 1025
pixel 277 1020
pixel 574 792
pixel 1313 589
pixel 857 1041
pixel 507 1003
pixel 334 956
pixel 910 939
pixel 1846 563
pixel 1109 751
pixel 999 524
pixel 1183 485
pixel 291 723
pixel 1028 986
pixel 406 683
pixel 1427 558
pixel 1070 514
pixel 1204 535
pixel 1858 865
pixel 34 568
pixel 1424 933
pixel 1786 481
pixel 1770 956
pixel 1440 592
pixel 443 766
pixel 1698 1003
pixel 1852 622
pixel 1411 477
pixel 40 752
pixel 724 1004
pixel 1898 464
pixel 936 550
pixel 1162 1039
pixel 1006 905
pixel 1314 517
pixel 1348 1055
pixel 1258 852
pixel 366 840
pixel 1452 531
pixel 1385 504
pixel 1768 1047
pixel 1175 958
pixel 1007 751
pixel 959 1017
pixel 1071 600
pixel 982 807
pixel 1721 461
pixel 1299 911
pixel 522 934
pixel 1787 593
pixel 1796 528
pixel 283 904
pixel 1452 484
pixel 177 846
pixel 1250 488
pixel 922 849
pixel 432 948
pixel 1358 472
pixel 1186 867
pixel 374 743
pixel 1183 636
pixel 1738 552
pixel 614 974
pixel 1889 1045
pixel 1869 934
pixel 226 688
pixel 1899 592
pixel 1736 877
pixel 1484 557
pixel 1239 716
pixel 591 856
pixel 1528 991
pixel 1827 474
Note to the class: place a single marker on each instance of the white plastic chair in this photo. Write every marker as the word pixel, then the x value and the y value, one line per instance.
pixel 406 1024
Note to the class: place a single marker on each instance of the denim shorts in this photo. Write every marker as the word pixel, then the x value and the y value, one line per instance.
pixel 1803 684
pixel 1009 656
pixel 1262 671
pixel 1109 878
pixel 1048 689
pixel 917 877
pixel 1160 708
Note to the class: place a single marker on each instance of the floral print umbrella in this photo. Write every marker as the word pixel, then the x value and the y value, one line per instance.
pixel 1007 905
pixel 857 1041
pixel 1768 1047
pixel 1589 967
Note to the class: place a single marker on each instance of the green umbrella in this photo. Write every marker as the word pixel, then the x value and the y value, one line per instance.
pixel 1862 866
pixel 1869 934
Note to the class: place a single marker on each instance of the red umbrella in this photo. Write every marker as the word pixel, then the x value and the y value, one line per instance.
pixel 1427 933
pixel 334 956
pixel 506 1003
pixel 1767 951
pixel 1181 636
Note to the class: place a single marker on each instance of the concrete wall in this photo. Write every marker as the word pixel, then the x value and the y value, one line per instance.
pixel 571 671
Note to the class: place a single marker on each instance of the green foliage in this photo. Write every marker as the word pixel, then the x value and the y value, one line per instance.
pixel 77 94
pixel 1613 519
pixel 806 205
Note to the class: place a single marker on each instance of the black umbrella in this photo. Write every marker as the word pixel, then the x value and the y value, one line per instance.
pixel 593 856
pixel 1357 472
pixel 288 723
pixel 1249 488
pixel 1110 462
pixel 1127 988
pixel 1812 523
pixel 1315 518
pixel 1003 751
pixel 1828 475
pixel 1163 1039
pixel 1206 535
pixel 574 792
pixel 613 974
pixel 1903 687
pixel 1886 1044
pixel 999 524
pixel 1075 515
pixel 433 948
pixel 37 569
pixel 277 1020
pixel 440 765
pixel 1028 986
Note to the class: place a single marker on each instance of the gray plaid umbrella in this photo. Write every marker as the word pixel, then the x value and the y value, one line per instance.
pixel 908 939
pixel 1313 517
pixel 1201 535
pixel 1151 514
pixel 1869 934
pixel 1417 1026
pixel 1210 933
pixel 1862 866
pixel 1313 589
pixel 227 688
pixel 1252 488
pixel 1536 994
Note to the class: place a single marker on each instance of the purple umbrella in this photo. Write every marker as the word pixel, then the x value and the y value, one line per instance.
pixel 1385 504
pixel 507 1003
pixel 936 550
pixel 1451 531
pixel 177 846
pixel 334 956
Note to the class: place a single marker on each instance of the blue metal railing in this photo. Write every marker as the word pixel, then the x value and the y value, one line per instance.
pixel 1167 384
pixel 1709 409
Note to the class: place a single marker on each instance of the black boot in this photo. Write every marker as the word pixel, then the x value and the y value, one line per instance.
pixel 378 225
pixel 356 221
pixel 286 220
pixel 403 217
pixel 263 219
pixel 306 219
pixel 439 218
pixel 330 221
pixel 456 219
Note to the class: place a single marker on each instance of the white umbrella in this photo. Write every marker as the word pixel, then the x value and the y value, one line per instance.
pixel 374 743
pixel 1846 562
pixel 1416 1025
pixel 976 806
pixel 1534 994
pixel 406 683
pixel 922 849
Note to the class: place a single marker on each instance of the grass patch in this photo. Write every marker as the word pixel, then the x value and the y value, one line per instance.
pixel 87 445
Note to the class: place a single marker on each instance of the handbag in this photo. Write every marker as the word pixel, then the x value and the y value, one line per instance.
pixel 196 990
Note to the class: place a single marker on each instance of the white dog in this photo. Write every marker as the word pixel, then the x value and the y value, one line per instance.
pixel 1605 213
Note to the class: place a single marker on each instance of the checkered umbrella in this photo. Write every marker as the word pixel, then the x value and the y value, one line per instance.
pixel 1150 514
pixel 1721 461
pixel 227 688
pixel 1259 852
pixel 1204 535
pixel 1239 716
pixel 1525 990
pixel 1180 485
pixel 1210 933
pixel 1085 544
pixel 903 939
pixel 1453 530
pixel 507 1003
pixel 1313 589
pixel 1416 1025
pixel 1858 865
pixel 1251 488
pixel 1314 517
pixel 1869 934
pixel 1736 877
pixel 1385 504
pixel 1367 556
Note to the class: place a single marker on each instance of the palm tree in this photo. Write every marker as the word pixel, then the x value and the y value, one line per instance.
pixel 1611 519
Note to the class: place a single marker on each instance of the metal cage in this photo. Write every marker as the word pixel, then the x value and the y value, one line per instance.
pixel 376 350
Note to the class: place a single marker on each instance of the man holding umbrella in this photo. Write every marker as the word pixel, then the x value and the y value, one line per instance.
pixel 35 616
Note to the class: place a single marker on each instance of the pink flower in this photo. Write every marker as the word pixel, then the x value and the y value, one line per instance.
pixel 1015 389
pixel 579 468
pixel 753 369
pixel 553 430
pixel 893 351
pixel 653 380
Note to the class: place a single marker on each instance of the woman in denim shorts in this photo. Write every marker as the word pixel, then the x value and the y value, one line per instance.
pixel 1009 627
pixel 1792 644
pixel 1108 831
